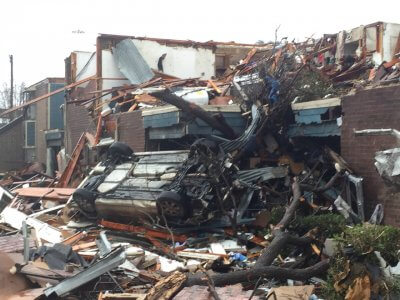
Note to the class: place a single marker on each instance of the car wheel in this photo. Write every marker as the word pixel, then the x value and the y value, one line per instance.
pixel 172 205
pixel 85 200
pixel 118 149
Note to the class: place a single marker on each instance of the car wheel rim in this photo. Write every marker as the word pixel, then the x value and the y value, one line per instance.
pixel 171 208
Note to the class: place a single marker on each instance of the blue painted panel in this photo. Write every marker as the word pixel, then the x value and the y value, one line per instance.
pixel 170 125
pixel 56 120
pixel 171 132
pixel 308 116
pixel 327 128
pixel 161 120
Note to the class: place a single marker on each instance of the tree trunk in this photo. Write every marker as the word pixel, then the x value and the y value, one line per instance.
pixel 196 110
pixel 253 274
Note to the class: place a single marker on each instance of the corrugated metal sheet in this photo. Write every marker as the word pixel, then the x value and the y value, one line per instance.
pixel 245 137
pixel 262 174
pixel 131 63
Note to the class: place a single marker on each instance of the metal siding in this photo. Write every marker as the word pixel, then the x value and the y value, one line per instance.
pixel 161 120
pixel 131 63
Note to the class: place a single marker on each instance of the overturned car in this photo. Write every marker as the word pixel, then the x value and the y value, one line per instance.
pixel 186 187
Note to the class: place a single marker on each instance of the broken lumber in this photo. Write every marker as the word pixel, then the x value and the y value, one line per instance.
pixel 165 289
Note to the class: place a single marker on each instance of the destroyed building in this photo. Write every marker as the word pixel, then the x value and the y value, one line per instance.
pixel 204 168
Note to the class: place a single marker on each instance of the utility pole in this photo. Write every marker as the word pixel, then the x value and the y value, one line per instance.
pixel 12 82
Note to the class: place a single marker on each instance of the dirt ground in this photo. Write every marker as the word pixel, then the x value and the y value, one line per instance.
pixel 10 284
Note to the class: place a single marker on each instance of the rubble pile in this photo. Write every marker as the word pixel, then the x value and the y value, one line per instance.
pixel 257 213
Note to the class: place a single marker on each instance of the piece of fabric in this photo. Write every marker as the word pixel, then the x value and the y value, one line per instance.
pixel 58 256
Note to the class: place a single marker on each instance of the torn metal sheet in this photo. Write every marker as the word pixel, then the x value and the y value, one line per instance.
pixel 111 261
pixel 357 181
pixel 103 244
pixel 5 198
pixel 388 164
pixel 131 63
pixel 262 174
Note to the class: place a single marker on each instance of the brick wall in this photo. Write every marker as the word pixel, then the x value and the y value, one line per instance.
pixel 372 109
pixel 129 126
pixel 130 129
pixel 11 146
pixel 77 120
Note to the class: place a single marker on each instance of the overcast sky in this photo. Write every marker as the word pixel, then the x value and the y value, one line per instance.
pixel 40 34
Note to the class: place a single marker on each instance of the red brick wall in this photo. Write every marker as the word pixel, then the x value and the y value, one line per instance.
pixel 77 121
pixel 130 129
pixel 372 109
pixel 129 126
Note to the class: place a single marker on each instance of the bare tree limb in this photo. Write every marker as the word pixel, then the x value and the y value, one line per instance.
pixel 255 273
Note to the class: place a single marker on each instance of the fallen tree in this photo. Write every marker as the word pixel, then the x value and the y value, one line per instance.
pixel 263 267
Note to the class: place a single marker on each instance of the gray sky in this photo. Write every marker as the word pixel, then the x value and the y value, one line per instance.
pixel 40 33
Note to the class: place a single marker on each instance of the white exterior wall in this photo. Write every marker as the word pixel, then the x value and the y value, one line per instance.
pixel 183 62
pixel 390 36
pixel 85 66
pixel 82 60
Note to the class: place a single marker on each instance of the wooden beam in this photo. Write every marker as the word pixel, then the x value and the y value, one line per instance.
pixel 98 129
pixel 67 174
pixel 33 101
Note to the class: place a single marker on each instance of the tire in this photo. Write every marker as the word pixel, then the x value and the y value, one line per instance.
pixel 85 200
pixel 118 149
pixel 172 205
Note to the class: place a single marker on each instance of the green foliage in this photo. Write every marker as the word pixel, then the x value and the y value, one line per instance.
pixel 369 238
pixel 393 285
pixel 277 213
pixel 336 266
pixel 365 239
pixel 328 224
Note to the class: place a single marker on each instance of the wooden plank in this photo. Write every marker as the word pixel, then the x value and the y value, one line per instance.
pixel 45 193
pixel 199 255
pixel 98 130
pixel 67 174
pixel 214 86
pixel 47 95
pixel 83 246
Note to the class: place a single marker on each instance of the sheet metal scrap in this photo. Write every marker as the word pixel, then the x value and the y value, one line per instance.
pixel 109 262
pixel 131 62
